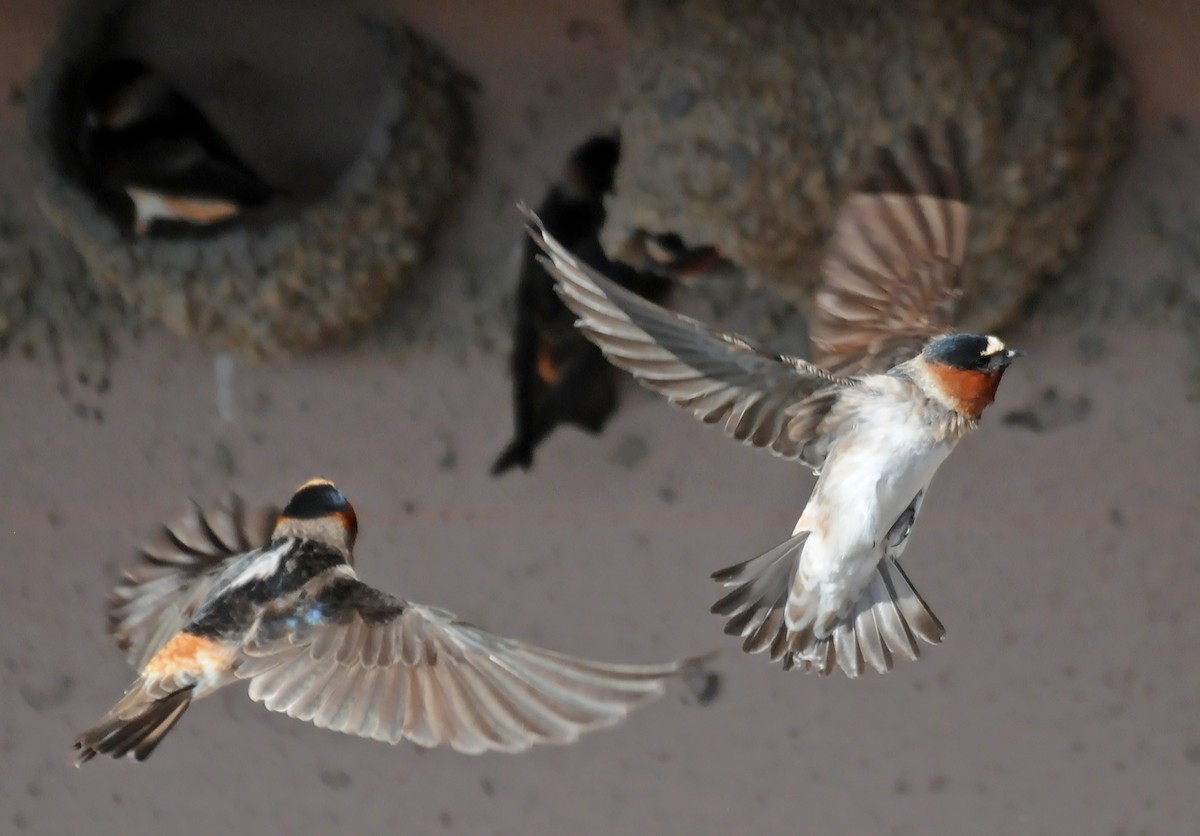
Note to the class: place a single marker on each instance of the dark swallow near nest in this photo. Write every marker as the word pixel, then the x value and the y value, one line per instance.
pixel 667 253
pixel 218 599
pixel 895 391
pixel 151 153
pixel 559 376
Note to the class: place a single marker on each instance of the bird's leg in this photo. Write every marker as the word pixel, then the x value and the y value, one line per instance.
pixel 902 527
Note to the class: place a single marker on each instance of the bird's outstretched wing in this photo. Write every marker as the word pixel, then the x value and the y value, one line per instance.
pixel 890 276
pixel 159 594
pixel 359 661
pixel 722 378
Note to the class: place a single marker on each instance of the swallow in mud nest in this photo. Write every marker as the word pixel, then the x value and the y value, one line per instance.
pixel 148 150
pixel 557 375
pixel 274 599
pixel 894 394
pixel 668 253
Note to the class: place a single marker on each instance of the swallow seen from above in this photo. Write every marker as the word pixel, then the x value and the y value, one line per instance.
pixel 558 376
pixel 274 599
pixel 895 393
pixel 151 152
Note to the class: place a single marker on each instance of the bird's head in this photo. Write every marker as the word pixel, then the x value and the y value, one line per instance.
pixel 121 92
pixel 592 168
pixel 966 369
pixel 319 511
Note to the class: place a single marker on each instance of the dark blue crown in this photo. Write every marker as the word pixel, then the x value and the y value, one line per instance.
pixel 969 352
pixel 316 500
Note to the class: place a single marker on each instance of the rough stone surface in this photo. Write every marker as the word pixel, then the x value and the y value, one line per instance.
pixel 51 311
pixel 283 281
pixel 745 128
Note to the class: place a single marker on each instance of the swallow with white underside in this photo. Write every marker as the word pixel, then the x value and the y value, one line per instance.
pixel 216 599
pixel 894 393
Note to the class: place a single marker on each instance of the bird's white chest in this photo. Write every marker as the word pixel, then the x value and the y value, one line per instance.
pixel 871 476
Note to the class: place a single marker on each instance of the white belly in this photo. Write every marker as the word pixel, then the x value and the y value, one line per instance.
pixel 870 478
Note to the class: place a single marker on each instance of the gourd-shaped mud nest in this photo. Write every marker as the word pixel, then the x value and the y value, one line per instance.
pixel 744 125
pixel 259 176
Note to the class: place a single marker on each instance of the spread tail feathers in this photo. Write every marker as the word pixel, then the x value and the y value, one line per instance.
pixel 135 725
pixel 885 622
pixel 755 607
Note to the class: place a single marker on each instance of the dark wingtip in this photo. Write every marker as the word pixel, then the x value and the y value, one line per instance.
pixel 887 175
pixel 517 454
pixel 940 175
pixel 81 755
pixel 956 142
pixel 700 679
pixel 728 573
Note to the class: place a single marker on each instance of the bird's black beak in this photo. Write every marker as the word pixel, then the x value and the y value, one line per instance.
pixel 1000 361
pixel 1008 356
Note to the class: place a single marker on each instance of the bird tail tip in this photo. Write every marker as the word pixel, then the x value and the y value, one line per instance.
pixel 134 727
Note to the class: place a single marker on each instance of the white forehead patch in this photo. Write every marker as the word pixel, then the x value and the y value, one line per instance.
pixel 994 346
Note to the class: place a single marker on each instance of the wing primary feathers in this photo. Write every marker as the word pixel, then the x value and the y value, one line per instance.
pixel 217 544
pixel 960 180
pixel 344 656
pixel 890 275
pixel 378 667
pixel 929 178
pixel 175 572
pixel 720 378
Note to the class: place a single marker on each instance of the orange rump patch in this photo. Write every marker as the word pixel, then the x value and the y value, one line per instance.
pixel 546 368
pixel 186 653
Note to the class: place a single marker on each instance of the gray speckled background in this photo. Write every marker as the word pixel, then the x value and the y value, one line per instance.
pixel 1064 563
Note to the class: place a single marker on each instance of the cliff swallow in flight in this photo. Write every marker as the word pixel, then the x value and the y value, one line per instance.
pixel 558 376
pixel 895 393
pixel 147 145
pixel 217 600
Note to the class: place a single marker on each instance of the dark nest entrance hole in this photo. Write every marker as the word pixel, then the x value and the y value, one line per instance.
pixel 311 151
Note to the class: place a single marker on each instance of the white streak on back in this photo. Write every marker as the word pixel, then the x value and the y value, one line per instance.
pixel 259 566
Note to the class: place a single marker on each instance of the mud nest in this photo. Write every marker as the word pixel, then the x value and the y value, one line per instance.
pixel 744 127
pixel 274 281
pixel 51 311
